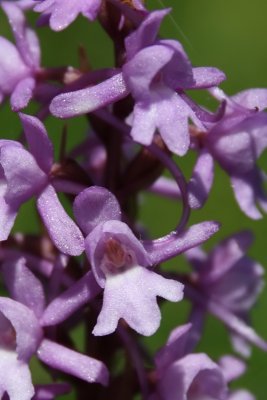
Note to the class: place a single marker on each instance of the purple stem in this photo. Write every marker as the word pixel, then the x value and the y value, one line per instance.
pixel 56 276
pixel 196 318
pixel 132 348
pixel 203 115
pixel 166 161
pixel 167 187
pixel 180 180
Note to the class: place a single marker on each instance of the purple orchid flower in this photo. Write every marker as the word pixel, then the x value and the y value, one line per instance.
pixel 27 173
pixel 235 142
pixel 21 337
pixel 183 375
pixel 155 70
pixel 120 266
pixel 228 284
pixel 119 262
pixel 153 85
pixel 61 14
pixel 19 63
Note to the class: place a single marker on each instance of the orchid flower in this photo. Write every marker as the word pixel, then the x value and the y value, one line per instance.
pixel 19 63
pixel 28 173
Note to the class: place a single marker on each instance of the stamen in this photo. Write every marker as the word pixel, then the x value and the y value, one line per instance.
pixel 8 338
pixel 117 257
pixel 115 253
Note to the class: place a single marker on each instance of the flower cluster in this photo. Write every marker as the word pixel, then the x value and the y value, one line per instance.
pixel 140 116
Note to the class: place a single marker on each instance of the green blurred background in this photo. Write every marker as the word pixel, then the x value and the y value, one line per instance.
pixel 230 36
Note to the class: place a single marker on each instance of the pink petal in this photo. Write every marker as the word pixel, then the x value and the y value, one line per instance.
pixel 23 286
pixel 39 143
pixel 252 98
pixel 257 128
pixel 245 196
pixel 4 142
pixel 232 367
pixel 83 101
pixel 231 144
pixel 22 94
pixel 227 254
pixel 240 345
pixel 26 39
pixel 95 205
pixel 71 300
pixel 174 349
pixel 177 74
pixel 165 187
pixel 171 245
pixel 65 234
pixel 44 5
pixel 206 77
pixel 62 15
pixel 237 325
pixel 146 33
pixel 90 9
pixel 240 287
pixel 143 123
pixel 73 363
pixel 12 67
pixel 201 181
pixel 23 175
pixel 8 213
pixel 172 120
pixel 140 72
